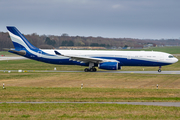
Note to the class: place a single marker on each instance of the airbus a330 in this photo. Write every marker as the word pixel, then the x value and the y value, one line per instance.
pixel 108 60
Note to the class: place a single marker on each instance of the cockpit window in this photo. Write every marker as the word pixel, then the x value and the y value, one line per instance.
pixel 171 56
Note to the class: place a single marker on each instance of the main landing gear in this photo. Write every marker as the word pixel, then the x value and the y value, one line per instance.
pixel 159 69
pixel 91 68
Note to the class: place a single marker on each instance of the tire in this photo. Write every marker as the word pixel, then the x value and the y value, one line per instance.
pixel 86 70
pixel 159 70
pixel 91 70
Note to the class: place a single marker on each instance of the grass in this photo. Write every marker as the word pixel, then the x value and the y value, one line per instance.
pixel 87 111
pixel 6 53
pixel 91 80
pixel 30 86
pixel 47 94
pixel 35 86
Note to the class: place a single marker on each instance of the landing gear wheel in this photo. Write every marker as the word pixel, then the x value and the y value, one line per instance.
pixel 86 70
pixel 159 69
pixel 91 70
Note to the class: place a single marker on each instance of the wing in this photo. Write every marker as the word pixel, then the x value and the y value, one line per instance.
pixel 84 59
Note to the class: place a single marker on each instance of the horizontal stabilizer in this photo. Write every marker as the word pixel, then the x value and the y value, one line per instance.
pixel 21 52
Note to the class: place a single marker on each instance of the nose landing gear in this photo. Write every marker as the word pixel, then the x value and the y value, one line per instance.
pixel 159 69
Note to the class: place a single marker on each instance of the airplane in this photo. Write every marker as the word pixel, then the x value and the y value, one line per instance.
pixel 107 60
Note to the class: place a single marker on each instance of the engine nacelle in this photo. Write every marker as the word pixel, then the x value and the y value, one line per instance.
pixel 108 65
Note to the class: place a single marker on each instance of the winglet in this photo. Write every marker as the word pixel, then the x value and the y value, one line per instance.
pixel 57 53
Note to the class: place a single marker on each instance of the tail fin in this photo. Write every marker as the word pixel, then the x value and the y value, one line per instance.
pixel 19 41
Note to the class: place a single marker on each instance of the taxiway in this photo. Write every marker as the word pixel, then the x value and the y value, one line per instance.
pixel 169 104
pixel 120 72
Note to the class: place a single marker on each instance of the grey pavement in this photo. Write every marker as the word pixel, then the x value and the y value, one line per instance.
pixel 131 72
pixel 12 58
pixel 168 104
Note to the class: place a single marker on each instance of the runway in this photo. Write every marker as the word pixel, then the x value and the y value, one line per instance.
pixel 12 58
pixel 131 72
pixel 168 104
pixel 143 72
pixel 128 72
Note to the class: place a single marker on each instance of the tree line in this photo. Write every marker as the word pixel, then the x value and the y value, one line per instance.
pixel 51 41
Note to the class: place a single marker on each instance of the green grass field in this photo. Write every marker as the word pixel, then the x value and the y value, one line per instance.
pixel 73 94
pixel 36 86
pixel 87 111
pixel 6 53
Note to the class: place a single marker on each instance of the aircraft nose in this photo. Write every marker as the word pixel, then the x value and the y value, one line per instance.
pixel 175 60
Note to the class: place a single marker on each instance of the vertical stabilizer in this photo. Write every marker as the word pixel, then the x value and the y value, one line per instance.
pixel 19 41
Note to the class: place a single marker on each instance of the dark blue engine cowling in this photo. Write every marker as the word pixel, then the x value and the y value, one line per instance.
pixel 108 65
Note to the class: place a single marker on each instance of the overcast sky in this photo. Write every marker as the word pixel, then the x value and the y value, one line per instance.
pixel 153 19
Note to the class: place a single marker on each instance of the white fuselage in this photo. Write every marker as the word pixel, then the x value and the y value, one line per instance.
pixel 150 56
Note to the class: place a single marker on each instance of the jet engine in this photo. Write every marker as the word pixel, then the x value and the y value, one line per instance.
pixel 108 66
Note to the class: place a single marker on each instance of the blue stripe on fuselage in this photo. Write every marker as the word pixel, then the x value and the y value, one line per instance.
pixel 123 61
pixel 135 62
